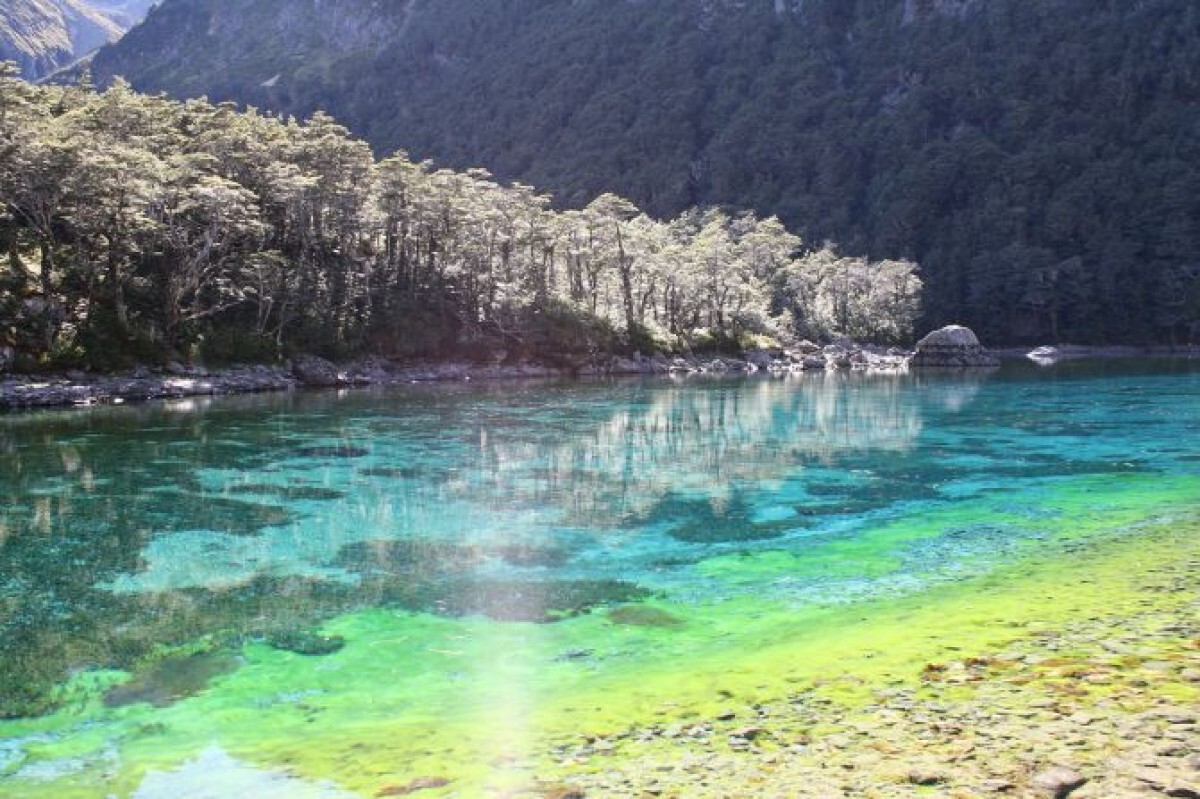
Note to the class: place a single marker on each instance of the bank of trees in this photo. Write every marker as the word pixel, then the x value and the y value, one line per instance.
pixel 138 228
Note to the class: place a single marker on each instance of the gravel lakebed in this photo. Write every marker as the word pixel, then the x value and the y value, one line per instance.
pixel 1102 706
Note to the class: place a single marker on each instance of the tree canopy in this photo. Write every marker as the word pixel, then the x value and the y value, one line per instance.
pixel 137 227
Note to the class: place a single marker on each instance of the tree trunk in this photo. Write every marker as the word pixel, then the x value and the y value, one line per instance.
pixel 626 269
pixel 49 328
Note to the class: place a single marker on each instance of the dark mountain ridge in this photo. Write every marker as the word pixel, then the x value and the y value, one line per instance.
pixel 1040 160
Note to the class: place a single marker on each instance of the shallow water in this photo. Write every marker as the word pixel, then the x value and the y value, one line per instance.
pixel 330 592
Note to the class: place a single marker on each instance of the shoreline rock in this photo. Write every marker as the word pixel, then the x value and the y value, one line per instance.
pixel 317 372
pixel 952 347
pixel 1052 353
pixel 82 390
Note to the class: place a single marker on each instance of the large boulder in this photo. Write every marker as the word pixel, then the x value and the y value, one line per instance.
pixel 313 371
pixel 760 358
pixel 952 347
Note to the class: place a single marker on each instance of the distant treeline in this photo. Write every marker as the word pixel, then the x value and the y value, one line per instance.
pixel 137 228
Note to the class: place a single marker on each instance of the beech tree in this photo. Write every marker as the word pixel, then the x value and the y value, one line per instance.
pixel 831 295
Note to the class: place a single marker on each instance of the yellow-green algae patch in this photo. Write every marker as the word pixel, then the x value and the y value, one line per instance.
pixel 490 705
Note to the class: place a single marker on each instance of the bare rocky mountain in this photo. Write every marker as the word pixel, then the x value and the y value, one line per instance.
pixel 44 35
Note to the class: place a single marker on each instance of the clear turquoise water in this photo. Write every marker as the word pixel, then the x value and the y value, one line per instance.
pixel 158 564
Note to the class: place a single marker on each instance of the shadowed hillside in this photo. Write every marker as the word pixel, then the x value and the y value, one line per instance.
pixel 1039 160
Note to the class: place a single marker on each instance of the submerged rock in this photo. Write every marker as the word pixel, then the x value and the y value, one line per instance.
pixel 419 784
pixel 952 347
pixel 643 616
pixel 305 642
pixel 335 451
pixel 292 492
pixel 927 775
pixel 531 601
pixel 172 679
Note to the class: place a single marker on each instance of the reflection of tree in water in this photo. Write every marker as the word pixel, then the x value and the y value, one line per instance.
pixel 706 439
pixel 84 494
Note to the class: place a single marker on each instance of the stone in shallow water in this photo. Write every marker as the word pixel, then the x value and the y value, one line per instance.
pixel 306 642
pixel 952 346
pixel 172 679
pixel 643 616
pixel 927 775
pixel 177 511
pixel 697 520
pixel 318 372
pixel 402 472
pixel 1057 781
pixel 417 785
pixel 293 492
pixel 337 451
pixel 529 555
pixel 441 556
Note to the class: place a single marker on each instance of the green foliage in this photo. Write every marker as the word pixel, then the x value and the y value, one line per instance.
pixel 828 295
pixel 562 331
pixel 142 230
pixel 993 146
pixel 223 345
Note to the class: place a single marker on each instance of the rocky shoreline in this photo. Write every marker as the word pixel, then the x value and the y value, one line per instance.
pixel 948 348
pixel 178 381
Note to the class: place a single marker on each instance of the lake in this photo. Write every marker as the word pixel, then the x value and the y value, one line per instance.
pixel 439 590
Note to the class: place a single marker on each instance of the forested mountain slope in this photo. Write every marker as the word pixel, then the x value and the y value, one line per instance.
pixel 43 35
pixel 1040 160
